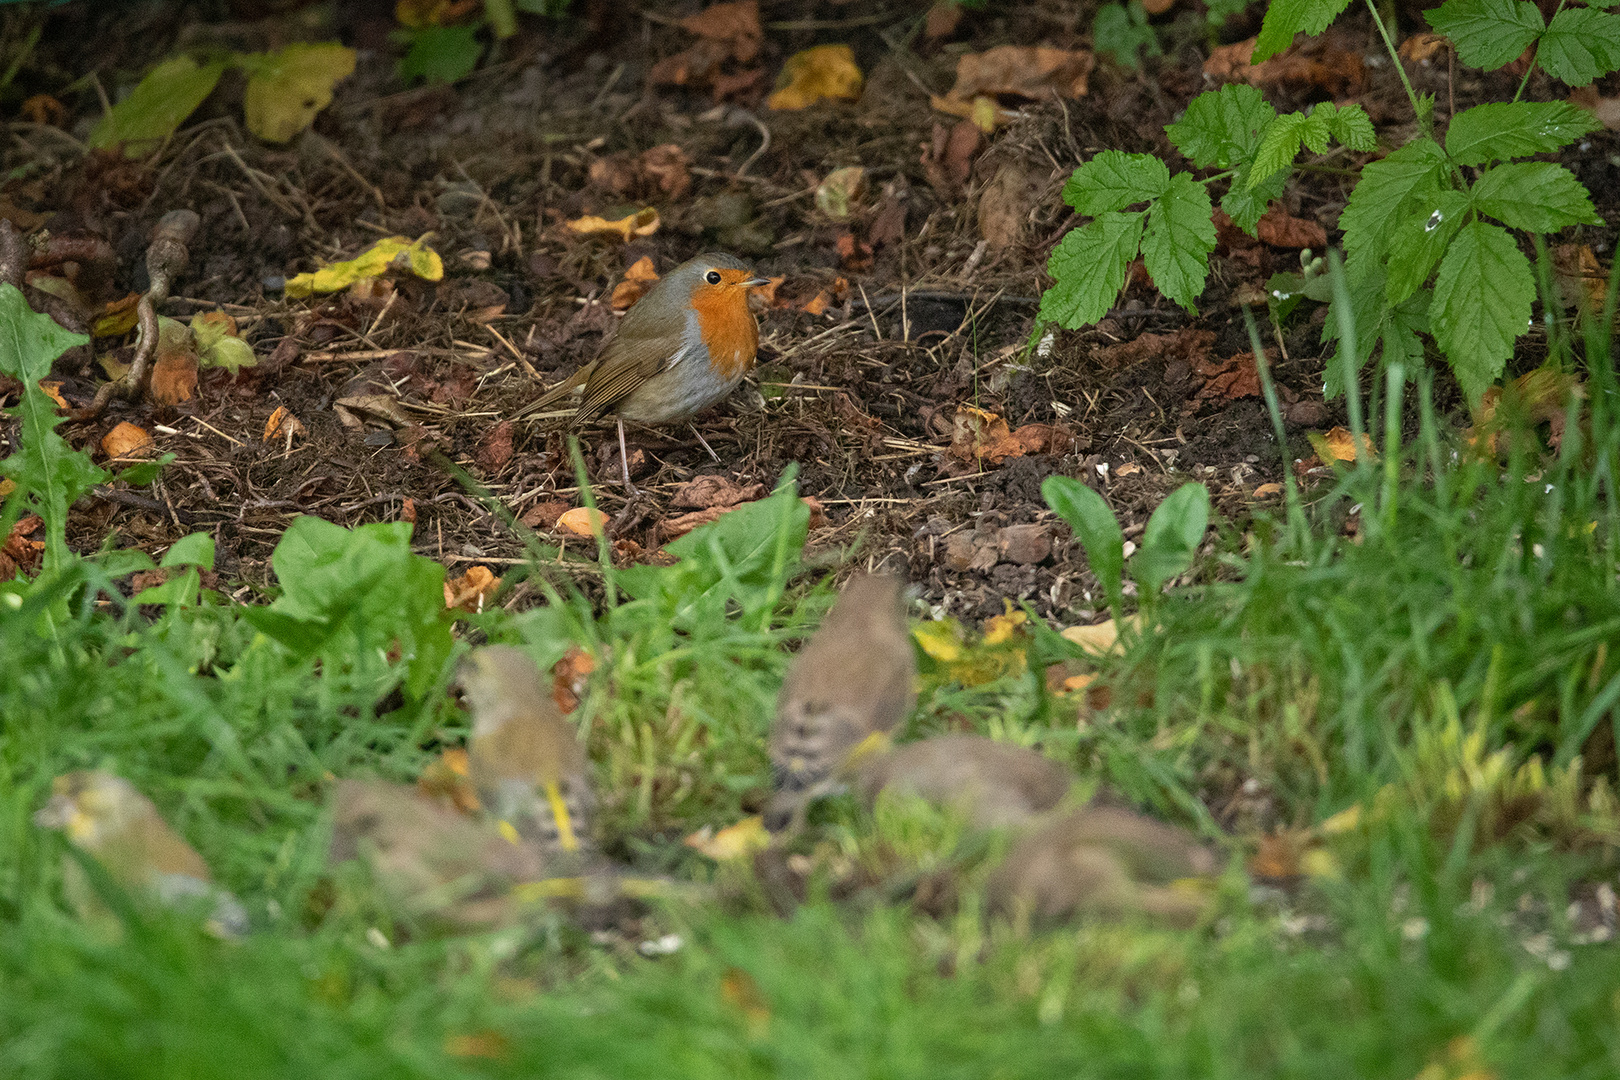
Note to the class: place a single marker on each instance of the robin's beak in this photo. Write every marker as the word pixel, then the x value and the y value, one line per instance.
pixel 756 281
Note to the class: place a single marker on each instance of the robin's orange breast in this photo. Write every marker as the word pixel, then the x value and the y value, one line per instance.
pixel 728 330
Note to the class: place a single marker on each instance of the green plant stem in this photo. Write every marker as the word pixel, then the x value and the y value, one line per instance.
pixel 1426 123
pixel 1298 529
pixel 1531 66
pixel 1395 382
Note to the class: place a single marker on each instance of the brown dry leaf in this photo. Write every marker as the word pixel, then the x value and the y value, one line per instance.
pixel 1339 445
pixel 1024 71
pixel 419 14
pixel 1099 639
pixel 471 591
pixel 1280 856
pixel 1582 281
pixel 1420 48
pixel 44 109
pixel 407 510
pixel 1234 377
pixel 643 222
pixel 1279 228
pixel 53 390
pixel 675 527
pixel 569 676
pixel 854 254
pixel 732 842
pixel 446 780
pixel 174 378
pixel 973 430
pixel 495 448
pixel 817 74
pixel 282 424
pixel 544 515
pixel 1314 64
pixel 948 160
pixel 125 440
pixel 1186 345
pixel 706 491
pixel 735 22
pixel 1607 109
pixel 667 167
pixel 1004 206
pixel 583 521
pixel 1266 491
pixel 1157 7
pixel 18 552
pixel 694 66
pixel 117 318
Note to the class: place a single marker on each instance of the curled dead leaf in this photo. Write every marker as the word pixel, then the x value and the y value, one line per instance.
pixel 125 440
pixel 1421 48
pixel 174 378
pixel 1315 64
pixel 53 390
pixel 817 74
pixel 472 590
pixel 569 676
pixel 583 521
pixel 637 280
pixel 18 552
pixel 1235 377
pixel 282 424
pixel 1339 445
pixel 1279 228
pixel 1035 72
pixel 643 222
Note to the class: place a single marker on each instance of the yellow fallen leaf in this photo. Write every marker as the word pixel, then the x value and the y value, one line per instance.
pixel 392 253
pixel 118 319
pixel 1265 491
pixel 826 71
pixel 1101 638
pixel 286 89
pixel 941 640
pixel 53 390
pixel 1339 445
pixel 1000 629
pixel 984 111
pixel 643 222
pixel 582 521
pixel 732 842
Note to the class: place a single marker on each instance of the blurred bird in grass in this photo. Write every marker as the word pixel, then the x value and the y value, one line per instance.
pixel 107 818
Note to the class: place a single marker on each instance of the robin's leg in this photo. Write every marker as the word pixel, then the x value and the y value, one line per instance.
pixel 624 461
pixel 705 443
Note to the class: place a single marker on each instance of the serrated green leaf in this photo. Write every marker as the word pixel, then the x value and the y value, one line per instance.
pixel 1123 33
pixel 1380 196
pixel 1351 125
pixel 195 549
pixel 1510 129
pixel 1114 180
pixel 1580 45
pixel 1402 325
pixel 1170 540
pixel 1536 195
pixel 157 106
pixel 1279 143
pixel 1487 33
pixel 1180 235
pixel 1365 280
pixel 1481 305
pixel 1285 18
pixel 1244 204
pixel 1420 240
pixel 1222 127
pixel 1088 269
pixel 1096 528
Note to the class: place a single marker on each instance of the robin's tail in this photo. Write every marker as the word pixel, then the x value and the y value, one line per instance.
pixel 556 393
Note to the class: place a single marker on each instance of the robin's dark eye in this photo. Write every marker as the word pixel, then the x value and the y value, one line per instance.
pixel 712 277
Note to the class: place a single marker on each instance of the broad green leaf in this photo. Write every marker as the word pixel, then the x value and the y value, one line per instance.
pixel 157 106
pixel 195 549
pixel 1180 235
pixel 1420 240
pixel 1088 269
pixel 1510 129
pixel 1245 204
pixel 1380 196
pixel 287 88
pixel 1365 281
pixel 1481 304
pixel 1222 127
pixel 1539 196
pixel 1487 33
pixel 1278 146
pixel 1172 536
pixel 1114 180
pixel 1580 45
pixel 1285 18
pixel 1096 528
pixel 1402 325
pixel 49 473
pixel 1282 140
pixel 1351 125
pixel 1123 33
pixel 441 54
pixel 178 591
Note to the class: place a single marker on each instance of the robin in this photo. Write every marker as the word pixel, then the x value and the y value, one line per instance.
pixel 524 756
pixel 106 817
pixel 682 348
pixel 847 689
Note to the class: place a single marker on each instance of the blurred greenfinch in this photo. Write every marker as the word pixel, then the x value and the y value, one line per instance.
pixel 106 817
pixel 850 685
pixel 523 755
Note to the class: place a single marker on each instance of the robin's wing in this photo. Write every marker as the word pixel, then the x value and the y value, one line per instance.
pixel 558 392
pixel 640 350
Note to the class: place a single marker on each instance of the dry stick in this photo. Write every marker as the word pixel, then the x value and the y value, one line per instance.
pixel 166 259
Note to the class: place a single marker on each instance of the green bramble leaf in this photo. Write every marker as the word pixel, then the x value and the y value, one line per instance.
pixel 1114 180
pixel 1088 269
pixel 1383 192
pixel 1285 18
pixel 1350 124
pixel 1487 33
pixel 1510 129
pixel 1222 128
pixel 1420 240
pixel 1580 45
pixel 1482 297
pixel 1539 196
pixel 1278 146
pixel 1179 238
pixel 1245 204
pixel 1122 32
pixel 1282 140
